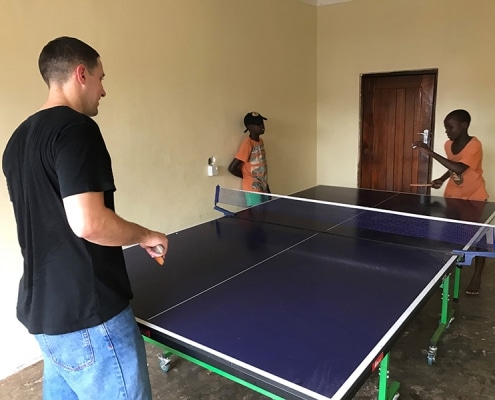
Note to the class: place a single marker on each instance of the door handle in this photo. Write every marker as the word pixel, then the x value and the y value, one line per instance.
pixel 426 135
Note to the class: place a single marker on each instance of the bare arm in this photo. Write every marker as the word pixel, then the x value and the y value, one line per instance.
pixel 437 183
pixel 456 167
pixel 91 220
pixel 235 167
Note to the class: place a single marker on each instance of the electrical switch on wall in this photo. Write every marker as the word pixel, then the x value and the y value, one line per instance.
pixel 212 166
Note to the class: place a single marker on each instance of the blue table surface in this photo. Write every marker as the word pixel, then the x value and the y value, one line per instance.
pixel 302 310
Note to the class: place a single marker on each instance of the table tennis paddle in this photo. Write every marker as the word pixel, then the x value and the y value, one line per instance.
pixel 159 249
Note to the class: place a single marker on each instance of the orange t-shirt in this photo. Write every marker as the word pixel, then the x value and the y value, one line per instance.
pixel 254 168
pixel 470 185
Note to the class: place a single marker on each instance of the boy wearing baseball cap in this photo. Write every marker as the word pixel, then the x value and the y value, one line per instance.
pixel 249 162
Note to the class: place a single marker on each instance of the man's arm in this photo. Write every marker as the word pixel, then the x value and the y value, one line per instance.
pixel 91 220
pixel 235 167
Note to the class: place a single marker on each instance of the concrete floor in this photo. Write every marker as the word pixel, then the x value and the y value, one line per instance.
pixel 464 369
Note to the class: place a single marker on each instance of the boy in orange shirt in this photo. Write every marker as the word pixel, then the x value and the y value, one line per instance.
pixel 465 173
pixel 249 162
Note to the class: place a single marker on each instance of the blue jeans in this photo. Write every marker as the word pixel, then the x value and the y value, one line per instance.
pixel 105 362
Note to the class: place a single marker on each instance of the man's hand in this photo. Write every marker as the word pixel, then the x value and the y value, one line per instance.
pixel 156 246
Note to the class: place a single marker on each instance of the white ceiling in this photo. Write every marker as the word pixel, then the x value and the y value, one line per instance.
pixel 323 2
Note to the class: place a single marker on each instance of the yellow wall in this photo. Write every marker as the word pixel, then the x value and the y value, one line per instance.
pixel 180 75
pixel 368 36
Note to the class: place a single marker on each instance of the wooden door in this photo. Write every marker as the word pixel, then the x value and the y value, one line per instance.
pixel 396 110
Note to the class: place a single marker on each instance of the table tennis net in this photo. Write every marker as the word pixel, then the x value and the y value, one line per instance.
pixel 355 221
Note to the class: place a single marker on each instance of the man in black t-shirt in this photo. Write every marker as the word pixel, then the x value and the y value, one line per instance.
pixel 74 293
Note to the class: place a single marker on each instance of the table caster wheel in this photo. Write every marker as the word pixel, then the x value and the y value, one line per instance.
pixel 164 362
pixel 432 354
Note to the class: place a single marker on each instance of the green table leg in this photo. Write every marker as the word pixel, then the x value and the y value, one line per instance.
pixel 387 391
pixel 446 317
pixel 457 283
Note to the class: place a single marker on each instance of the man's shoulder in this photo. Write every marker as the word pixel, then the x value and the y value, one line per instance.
pixel 55 119
pixel 51 123
pixel 62 114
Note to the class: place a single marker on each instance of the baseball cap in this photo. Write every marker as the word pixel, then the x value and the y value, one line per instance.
pixel 253 118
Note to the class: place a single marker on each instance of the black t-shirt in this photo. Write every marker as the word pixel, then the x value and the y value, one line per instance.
pixel 68 283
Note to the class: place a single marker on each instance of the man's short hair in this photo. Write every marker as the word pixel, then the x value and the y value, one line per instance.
pixel 459 115
pixel 60 56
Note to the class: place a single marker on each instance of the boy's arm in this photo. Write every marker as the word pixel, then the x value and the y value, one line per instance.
pixel 456 167
pixel 235 167
pixel 437 183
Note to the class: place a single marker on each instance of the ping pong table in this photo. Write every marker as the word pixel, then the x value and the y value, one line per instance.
pixel 291 300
